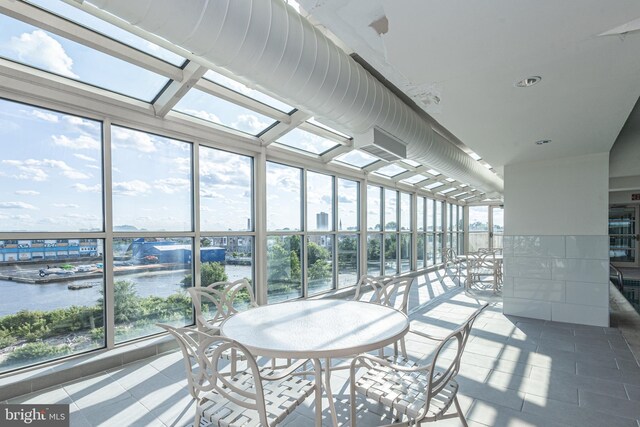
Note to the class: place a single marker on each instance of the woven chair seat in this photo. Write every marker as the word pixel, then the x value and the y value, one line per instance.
pixel 405 391
pixel 281 398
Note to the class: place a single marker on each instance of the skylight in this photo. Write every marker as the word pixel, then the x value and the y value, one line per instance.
pixel 307 142
pixel 434 185
pixel 37 48
pixel 450 180
pixel 313 121
pixel 475 156
pixel 487 165
pixel 390 170
pixel 433 172
pixel 463 185
pixel 411 163
pixel 448 190
pixel 247 91
pixel 357 158
pixel 207 107
pixel 459 194
pixel 415 179
pixel 98 25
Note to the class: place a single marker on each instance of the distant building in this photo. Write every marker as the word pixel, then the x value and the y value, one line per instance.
pixel 322 221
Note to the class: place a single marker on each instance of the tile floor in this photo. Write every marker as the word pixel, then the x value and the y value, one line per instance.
pixel 515 372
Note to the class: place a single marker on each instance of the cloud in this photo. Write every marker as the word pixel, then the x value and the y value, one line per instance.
pixel 346 199
pixel 66 205
pixel 83 157
pixel 83 188
pixel 47 117
pixel 250 123
pixel 138 140
pixel 92 167
pixel 27 192
pixel 131 188
pixel 80 122
pixel 172 185
pixel 16 205
pixel 27 170
pixel 205 115
pixel 208 194
pixel 44 51
pixel 82 142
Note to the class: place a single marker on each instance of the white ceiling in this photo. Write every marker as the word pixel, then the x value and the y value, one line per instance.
pixel 470 53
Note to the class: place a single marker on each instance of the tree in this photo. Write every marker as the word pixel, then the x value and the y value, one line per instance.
pixel 373 249
pixel 319 267
pixel 126 301
pixel 210 272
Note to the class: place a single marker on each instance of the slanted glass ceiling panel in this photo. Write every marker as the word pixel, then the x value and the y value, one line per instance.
pixel 247 91
pixel 448 190
pixel 391 170
pixel 433 172
pixel 37 48
pixel 411 163
pixel 91 22
pixel 313 121
pixel 357 158
pixel 434 185
pixel 414 179
pixel 307 142
pixel 207 107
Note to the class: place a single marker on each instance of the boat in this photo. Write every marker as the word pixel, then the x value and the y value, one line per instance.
pixel 76 286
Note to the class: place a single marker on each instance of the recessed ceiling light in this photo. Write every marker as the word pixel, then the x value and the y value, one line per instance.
pixel 543 141
pixel 529 81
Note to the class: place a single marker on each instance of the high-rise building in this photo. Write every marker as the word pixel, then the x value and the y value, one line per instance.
pixel 322 221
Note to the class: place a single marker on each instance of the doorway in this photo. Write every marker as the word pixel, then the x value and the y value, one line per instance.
pixel 623 236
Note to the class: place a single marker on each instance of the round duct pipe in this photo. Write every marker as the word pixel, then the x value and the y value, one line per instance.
pixel 269 43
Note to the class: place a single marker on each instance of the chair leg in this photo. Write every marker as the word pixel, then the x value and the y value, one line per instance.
pixel 460 413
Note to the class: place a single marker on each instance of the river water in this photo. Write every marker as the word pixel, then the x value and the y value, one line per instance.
pixel 23 296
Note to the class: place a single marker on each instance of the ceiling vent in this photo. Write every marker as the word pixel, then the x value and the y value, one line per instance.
pixel 380 144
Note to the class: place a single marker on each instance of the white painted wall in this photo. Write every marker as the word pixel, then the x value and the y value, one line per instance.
pixel 565 196
pixel 556 260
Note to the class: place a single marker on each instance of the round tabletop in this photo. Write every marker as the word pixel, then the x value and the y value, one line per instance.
pixel 316 329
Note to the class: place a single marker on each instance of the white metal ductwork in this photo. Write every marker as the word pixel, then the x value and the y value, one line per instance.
pixel 270 44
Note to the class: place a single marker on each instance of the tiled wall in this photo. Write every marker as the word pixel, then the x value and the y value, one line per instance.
pixel 560 278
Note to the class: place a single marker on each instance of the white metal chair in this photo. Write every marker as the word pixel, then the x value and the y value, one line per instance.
pixel 481 270
pixel 414 392
pixel 368 284
pixel 252 397
pixel 451 259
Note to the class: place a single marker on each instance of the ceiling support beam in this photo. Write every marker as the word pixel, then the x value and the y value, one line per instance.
pixel 174 92
pixel 276 131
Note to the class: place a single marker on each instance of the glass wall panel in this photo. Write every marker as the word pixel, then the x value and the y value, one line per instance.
pixel 478 227
pixel 421 250
pixel 319 263
pixel 374 217
pixel 390 254
pixel 430 249
pixel 405 211
pixel 283 197
pixel 430 215
pixel 52 301
pixel 150 277
pixel 284 269
pixel 50 170
pixel 438 215
pixel 405 252
pixel 226 191
pixel 151 182
pixel 319 202
pixel 226 258
pixel 439 241
pixel 347 260
pixel 390 209
pixel 498 226
pixel 374 254
pixel 348 201
pixel 420 219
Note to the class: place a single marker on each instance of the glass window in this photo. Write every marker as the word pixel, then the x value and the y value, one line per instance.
pixel 319 263
pixel 51 170
pixel 319 202
pixel 244 90
pixel 226 196
pixel 373 208
pixel 374 254
pixel 420 220
pixel 52 299
pixel 405 211
pixel 357 158
pixel 430 217
pixel 98 25
pixel 207 107
pixel 478 218
pixel 414 179
pixel 433 185
pixel 150 276
pixel 390 170
pixel 347 260
pixel 390 209
pixel 348 202
pixel 283 197
pixel 390 254
pixel 284 271
pixel 438 215
pixel 421 251
pixel 430 249
pixel 405 252
pixel 151 182
pixel 307 141
pixel 37 48
pixel 225 258
pixel 439 242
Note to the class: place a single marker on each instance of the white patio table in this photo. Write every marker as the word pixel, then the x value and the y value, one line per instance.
pixel 497 266
pixel 319 329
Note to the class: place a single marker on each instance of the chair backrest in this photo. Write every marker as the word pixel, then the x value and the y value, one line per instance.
pixel 394 293
pixel 450 256
pixel 189 341
pixel 244 388
pixel 368 281
pixel 224 298
pixel 439 378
